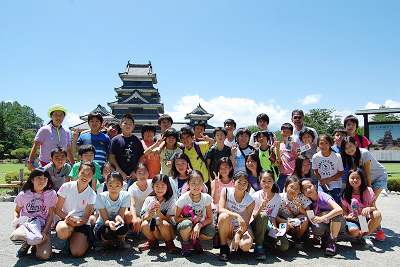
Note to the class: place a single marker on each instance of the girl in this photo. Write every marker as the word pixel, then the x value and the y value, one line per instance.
pixel 106 169
pixel 328 215
pixel 111 206
pixel 179 172
pixel 138 191
pixel 328 167
pixel 253 167
pixel 150 159
pixel 359 199
pixel 50 136
pixel 307 136
pixel 375 173
pixel 157 213
pixel 292 210
pixel 222 179
pixel 194 215
pixel 302 169
pixel 75 203
pixel 267 203
pixel 36 201
pixel 235 209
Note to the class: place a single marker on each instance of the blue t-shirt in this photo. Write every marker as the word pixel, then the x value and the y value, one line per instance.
pixel 112 208
pixel 254 182
pixel 101 143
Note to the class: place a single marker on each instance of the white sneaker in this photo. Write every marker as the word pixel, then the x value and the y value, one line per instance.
pixel 383 193
pixel 368 242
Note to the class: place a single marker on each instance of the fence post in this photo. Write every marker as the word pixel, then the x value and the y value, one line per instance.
pixel 21 179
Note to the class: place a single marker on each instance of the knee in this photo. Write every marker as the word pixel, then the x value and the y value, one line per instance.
pixel 223 218
pixel 63 233
pixel 77 253
pixel 128 217
pixel 376 214
pixel 246 246
pixel 44 256
pixel 353 231
pixel 145 224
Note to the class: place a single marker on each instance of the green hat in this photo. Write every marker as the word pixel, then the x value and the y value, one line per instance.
pixel 57 107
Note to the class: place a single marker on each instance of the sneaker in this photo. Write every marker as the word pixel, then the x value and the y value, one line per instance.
pixel 66 248
pixel 23 251
pixel 324 240
pixel 171 247
pixel 198 247
pixel 331 247
pixel 150 244
pixel 224 253
pixel 186 249
pixel 259 253
pixel 33 250
pixel 380 235
pixel 368 242
pixel 123 244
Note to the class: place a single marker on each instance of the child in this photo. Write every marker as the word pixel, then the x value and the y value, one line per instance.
pixel 328 167
pixel 111 205
pixel 292 209
pixel 302 169
pixel 195 151
pixel 253 168
pixel 262 121
pixel 86 154
pixel 199 128
pixel 287 154
pixel 242 135
pixel 75 204
pixel 266 155
pixel 36 201
pixel 351 125
pixel 230 127
pixel 375 173
pixel 99 140
pixel 126 149
pixel 222 179
pixel 338 136
pixel 138 191
pixel 267 203
pixel 328 216
pixel 359 199
pixel 156 215
pixel 106 169
pixel 165 122
pixel 194 216
pixel 58 167
pixel 181 167
pixel 306 136
pixel 218 151
pixel 151 160
pixel 235 209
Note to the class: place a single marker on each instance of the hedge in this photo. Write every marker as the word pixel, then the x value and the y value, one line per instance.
pixel 14 176
pixel 394 184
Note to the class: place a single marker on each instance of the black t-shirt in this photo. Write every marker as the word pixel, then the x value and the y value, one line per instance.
pixel 214 154
pixel 127 151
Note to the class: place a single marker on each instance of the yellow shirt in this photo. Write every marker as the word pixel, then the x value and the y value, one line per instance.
pixel 195 160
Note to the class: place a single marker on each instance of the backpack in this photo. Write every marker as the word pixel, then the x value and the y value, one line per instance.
pixel 198 151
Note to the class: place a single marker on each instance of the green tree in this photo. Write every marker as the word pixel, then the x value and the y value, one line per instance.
pixel 253 128
pixel 385 117
pixel 20 153
pixel 323 120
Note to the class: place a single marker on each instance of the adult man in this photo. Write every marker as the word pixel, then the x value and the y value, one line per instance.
pixel 298 121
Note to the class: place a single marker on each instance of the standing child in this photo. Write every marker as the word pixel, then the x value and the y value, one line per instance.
pixel 230 127
pixel 267 203
pixel 265 153
pixel 138 191
pixel 151 160
pixel 194 216
pixel 253 168
pixel 165 122
pixel 36 201
pixel 351 125
pixel 106 169
pixel 375 173
pixel 58 167
pixel 338 136
pixel 75 204
pixel 244 149
pixel 359 199
pixel 306 136
pixel 156 213
pixel 235 209
pixel 262 121
pixel 111 205
pixel 328 167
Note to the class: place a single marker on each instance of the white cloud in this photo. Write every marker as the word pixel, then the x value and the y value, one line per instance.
pixel 243 110
pixel 392 104
pixel 71 119
pixel 371 105
pixel 310 99
pixel 8 101
pixel 345 112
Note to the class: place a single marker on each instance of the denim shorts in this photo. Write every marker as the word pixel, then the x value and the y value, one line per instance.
pixel 350 224
pixel 380 181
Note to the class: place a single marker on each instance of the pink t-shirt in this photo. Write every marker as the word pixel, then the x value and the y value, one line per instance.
pixel 49 138
pixel 368 198
pixel 365 140
pixel 222 186
pixel 288 161
pixel 36 205
pixel 152 162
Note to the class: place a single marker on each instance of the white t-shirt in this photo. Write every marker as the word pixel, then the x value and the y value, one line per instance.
pixel 167 207
pixel 199 208
pixel 112 208
pixel 230 143
pixel 296 136
pixel 284 211
pixel 240 160
pixel 76 201
pixel 237 207
pixel 100 188
pixel 253 139
pixel 328 167
pixel 271 208
pixel 140 195
pixel 375 168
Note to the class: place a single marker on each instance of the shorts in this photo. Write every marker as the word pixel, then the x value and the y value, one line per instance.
pixel 380 181
pixel 84 229
pixel 324 228
pixel 350 224
pixel 207 230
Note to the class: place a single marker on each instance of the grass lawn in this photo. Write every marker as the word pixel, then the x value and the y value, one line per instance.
pixel 5 168
pixel 393 167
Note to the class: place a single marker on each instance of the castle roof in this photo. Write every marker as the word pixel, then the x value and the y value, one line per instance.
pixel 138 71
pixel 102 111
pixel 199 113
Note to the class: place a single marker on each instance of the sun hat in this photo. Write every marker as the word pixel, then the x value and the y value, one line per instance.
pixel 57 107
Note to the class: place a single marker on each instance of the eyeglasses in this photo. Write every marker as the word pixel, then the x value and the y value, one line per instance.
pixel 297 117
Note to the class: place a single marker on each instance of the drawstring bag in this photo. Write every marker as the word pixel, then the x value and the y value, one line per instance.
pixel 33 231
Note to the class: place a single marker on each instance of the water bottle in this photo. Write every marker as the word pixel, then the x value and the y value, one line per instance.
pixel 355 207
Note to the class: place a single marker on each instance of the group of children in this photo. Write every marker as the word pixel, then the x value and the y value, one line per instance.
pixel 235 189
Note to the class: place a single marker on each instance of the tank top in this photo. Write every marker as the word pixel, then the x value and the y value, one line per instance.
pixel 237 207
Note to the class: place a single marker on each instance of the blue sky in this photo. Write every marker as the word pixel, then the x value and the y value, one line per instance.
pixel 237 58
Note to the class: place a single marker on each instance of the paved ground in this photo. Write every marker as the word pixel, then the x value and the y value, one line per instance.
pixel 383 254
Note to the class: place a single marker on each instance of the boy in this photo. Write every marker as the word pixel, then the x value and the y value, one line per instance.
pixel 217 151
pixel 58 167
pixel 338 136
pixel 151 160
pixel 230 127
pixel 266 156
pixel 99 140
pixel 112 129
pixel 126 149
pixel 243 136
pixel 262 121
pixel 351 125
pixel 195 151
pixel 165 121
pixel 86 154
pixel 287 154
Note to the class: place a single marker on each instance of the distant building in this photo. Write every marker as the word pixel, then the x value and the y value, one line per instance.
pixel 107 116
